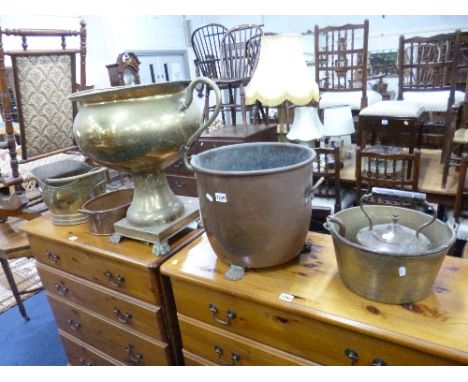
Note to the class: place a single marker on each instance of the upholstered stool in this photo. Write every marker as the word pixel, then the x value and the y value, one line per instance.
pixel 351 98
pixel 398 120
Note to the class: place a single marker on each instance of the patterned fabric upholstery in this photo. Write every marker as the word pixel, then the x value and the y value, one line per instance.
pixel 44 82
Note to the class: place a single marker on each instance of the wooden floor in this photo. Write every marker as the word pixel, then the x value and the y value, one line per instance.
pixel 430 176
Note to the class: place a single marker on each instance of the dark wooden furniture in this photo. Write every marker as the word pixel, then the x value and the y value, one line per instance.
pixel 430 175
pixel 14 245
pixel 240 48
pixel 329 196
pixel 107 298
pixel 206 42
pixel 377 167
pixel 456 142
pixel 427 74
pixel 301 313
pixel 327 164
pixel 43 79
pixel 125 71
pixel 460 210
pixel 392 123
pixel 341 65
pixel 182 181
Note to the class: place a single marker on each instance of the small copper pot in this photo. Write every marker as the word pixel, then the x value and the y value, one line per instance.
pixel 106 209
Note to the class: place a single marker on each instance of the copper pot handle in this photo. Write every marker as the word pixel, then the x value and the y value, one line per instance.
pixel 188 101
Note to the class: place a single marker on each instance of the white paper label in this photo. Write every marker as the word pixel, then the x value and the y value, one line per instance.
pixel 221 197
pixel 402 271
pixel 384 122
pixel 73 238
pixel 209 197
pixel 286 297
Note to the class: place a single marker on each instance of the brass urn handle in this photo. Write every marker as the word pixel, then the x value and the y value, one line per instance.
pixel 230 315
pixel 208 122
pixel 235 357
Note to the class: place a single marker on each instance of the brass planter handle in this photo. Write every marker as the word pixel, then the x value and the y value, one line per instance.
pixel 188 101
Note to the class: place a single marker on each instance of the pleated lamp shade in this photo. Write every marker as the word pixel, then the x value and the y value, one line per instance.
pixel 281 74
pixel 338 121
pixel 306 126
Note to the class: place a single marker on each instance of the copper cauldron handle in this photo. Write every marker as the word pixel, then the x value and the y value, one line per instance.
pixel 187 103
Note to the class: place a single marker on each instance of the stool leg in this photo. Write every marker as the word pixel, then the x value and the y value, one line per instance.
pixel 14 288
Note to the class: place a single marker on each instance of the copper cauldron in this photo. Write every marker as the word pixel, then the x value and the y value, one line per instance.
pixel 255 201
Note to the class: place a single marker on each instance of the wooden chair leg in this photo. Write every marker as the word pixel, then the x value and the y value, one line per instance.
pixel 14 288
pixel 243 111
pixel 447 151
pixel 206 108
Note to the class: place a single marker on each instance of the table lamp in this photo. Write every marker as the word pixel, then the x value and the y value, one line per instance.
pixel 281 75
pixel 338 124
pixel 306 126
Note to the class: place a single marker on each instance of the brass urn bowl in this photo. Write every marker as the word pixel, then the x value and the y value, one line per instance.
pixel 142 129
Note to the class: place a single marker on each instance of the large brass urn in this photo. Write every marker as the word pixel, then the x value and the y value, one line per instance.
pixel 142 129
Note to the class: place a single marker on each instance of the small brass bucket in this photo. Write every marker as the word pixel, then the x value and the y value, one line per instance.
pixel 66 185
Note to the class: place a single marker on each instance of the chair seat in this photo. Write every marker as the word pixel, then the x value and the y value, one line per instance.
pixel 348 197
pixel 435 101
pixel 351 98
pixel 462 228
pixel 395 109
pixel 461 136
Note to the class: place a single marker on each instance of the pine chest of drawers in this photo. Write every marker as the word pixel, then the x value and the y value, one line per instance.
pixel 107 299
pixel 301 313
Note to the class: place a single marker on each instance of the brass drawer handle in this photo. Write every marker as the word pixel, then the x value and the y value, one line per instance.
pixel 230 315
pixel 53 257
pixel 378 362
pixel 352 355
pixel 133 357
pixel 179 183
pixel 125 318
pixel 61 289
pixel 117 280
pixel 83 362
pixel 235 357
pixel 74 325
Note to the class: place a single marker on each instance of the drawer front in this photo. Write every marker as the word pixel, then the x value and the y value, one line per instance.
pixel 183 185
pixel 122 309
pixel 307 338
pixel 224 348
pixel 128 347
pixel 191 359
pixel 120 276
pixel 80 354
